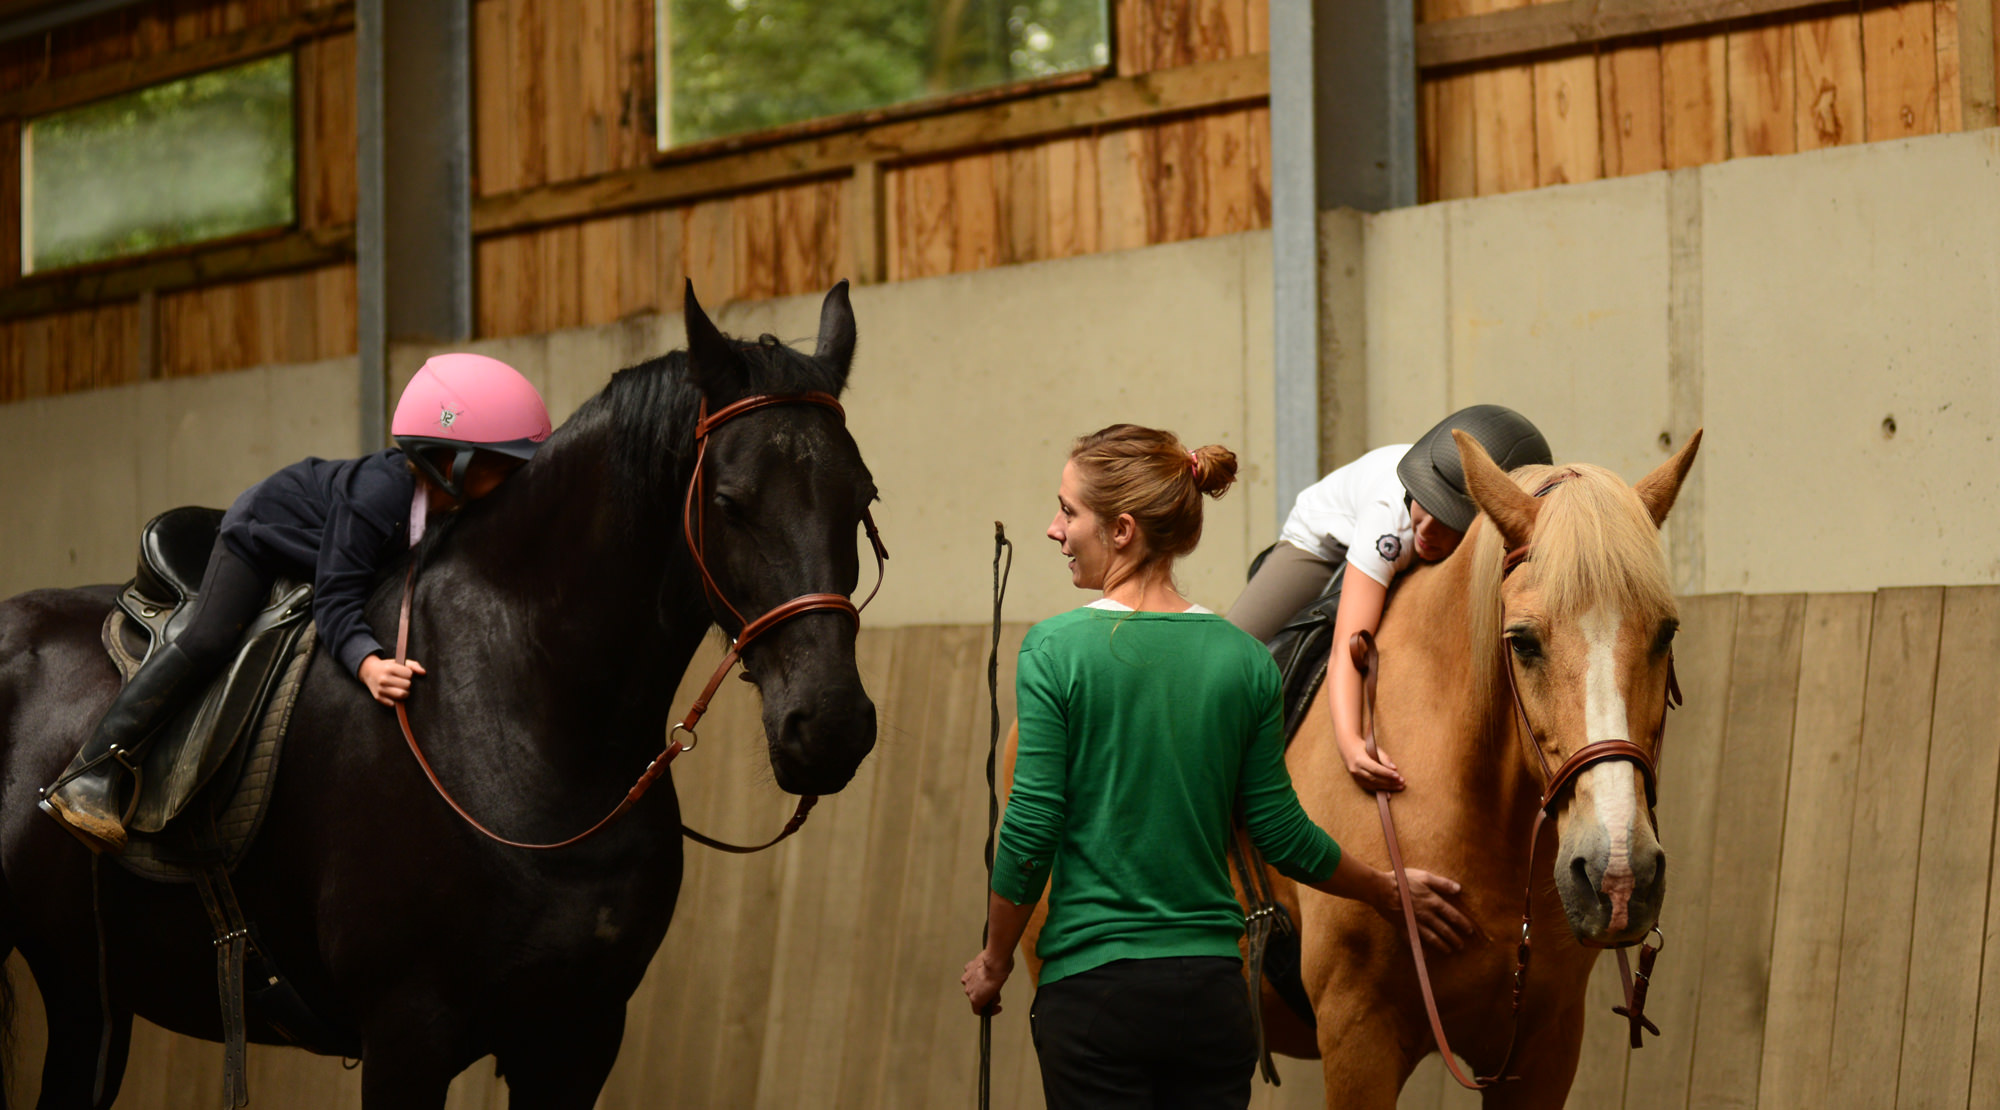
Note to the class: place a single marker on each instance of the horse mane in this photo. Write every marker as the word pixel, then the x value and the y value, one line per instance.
pixel 1594 543
pixel 649 409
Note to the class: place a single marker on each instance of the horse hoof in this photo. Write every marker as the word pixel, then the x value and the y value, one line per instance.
pixel 99 839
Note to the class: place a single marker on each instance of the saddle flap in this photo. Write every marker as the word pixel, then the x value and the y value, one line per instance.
pixel 186 754
pixel 173 552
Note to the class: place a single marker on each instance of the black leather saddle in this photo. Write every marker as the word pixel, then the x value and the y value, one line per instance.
pixel 201 754
pixel 1303 645
pixel 204 780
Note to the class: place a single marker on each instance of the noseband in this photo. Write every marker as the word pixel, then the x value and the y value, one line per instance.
pixel 693 530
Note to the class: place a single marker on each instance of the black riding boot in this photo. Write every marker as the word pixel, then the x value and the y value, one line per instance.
pixel 85 799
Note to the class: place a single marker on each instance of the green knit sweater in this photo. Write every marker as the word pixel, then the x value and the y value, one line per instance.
pixel 1141 735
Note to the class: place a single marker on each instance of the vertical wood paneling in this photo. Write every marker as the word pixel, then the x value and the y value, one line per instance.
pixel 328 188
pixel 1694 100
pixel 1072 201
pixel 497 164
pixel 1944 14
pixel 1762 86
pixel 1029 229
pixel 1567 144
pixel 1122 205
pixel 977 211
pixel 1828 105
pixel 1690 772
pixel 1900 47
pixel 1812 881
pixel 1749 832
pixel 1503 138
pixel 1888 825
pixel 1628 94
pixel 1949 926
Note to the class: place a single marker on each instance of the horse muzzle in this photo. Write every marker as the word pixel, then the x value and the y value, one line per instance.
pixel 817 746
pixel 1611 896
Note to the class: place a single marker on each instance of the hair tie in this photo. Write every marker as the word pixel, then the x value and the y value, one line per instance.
pixel 1194 465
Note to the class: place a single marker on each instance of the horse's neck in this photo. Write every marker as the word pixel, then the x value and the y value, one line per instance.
pixel 1470 741
pixel 583 561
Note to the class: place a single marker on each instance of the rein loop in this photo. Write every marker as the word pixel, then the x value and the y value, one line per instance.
pixel 692 520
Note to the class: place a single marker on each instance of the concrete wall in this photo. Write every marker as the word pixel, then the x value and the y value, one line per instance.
pixel 1800 308
pixel 1832 319
pixel 966 392
pixel 79 473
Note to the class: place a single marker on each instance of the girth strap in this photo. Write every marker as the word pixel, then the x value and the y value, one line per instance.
pixel 232 942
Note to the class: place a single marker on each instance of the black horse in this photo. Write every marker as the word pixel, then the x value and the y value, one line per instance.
pixel 555 618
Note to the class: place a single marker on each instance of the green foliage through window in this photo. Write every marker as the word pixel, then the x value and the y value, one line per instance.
pixel 200 158
pixel 744 65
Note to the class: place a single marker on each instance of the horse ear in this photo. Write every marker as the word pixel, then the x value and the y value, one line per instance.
pixel 1659 488
pixel 836 330
pixel 1509 506
pixel 713 362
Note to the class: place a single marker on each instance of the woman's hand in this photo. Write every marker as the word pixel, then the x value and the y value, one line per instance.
pixel 1441 921
pixel 984 975
pixel 387 680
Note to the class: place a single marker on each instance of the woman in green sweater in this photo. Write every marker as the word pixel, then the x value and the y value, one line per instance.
pixel 1147 723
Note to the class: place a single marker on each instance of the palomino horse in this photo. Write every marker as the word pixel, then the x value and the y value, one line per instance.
pixel 556 618
pixel 1586 621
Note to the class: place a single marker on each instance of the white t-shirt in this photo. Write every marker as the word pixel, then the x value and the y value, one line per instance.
pixel 1359 507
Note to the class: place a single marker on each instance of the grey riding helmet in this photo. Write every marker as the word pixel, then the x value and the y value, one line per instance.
pixel 1435 478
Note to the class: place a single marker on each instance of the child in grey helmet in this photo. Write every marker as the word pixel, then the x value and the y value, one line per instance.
pixel 1378 514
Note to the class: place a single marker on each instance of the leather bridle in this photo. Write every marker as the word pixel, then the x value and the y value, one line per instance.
pixel 693 519
pixel 1556 781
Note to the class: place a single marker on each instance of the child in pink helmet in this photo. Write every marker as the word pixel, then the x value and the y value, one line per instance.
pixel 464 423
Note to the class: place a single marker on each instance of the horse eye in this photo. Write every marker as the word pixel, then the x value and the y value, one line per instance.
pixel 726 504
pixel 1524 643
pixel 1665 639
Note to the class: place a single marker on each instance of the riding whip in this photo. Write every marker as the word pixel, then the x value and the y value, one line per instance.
pixel 1000 544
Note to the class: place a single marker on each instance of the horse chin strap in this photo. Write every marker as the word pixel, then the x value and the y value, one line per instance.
pixel 692 521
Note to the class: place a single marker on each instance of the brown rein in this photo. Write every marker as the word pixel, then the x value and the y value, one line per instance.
pixel 1363 650
pixel 692 528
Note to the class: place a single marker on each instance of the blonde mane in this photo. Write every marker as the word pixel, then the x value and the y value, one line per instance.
pixel 1594 543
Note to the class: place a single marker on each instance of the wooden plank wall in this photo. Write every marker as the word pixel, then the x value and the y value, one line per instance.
pixel 562 99
pixel 1778 85
pixel 286 318
pixel 1833 933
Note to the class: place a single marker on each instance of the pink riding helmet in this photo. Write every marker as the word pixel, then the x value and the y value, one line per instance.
pixel 468 403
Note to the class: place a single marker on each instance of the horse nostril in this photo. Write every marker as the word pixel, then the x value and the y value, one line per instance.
pixel 1579 869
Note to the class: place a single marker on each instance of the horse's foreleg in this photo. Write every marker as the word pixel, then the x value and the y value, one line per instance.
pixel 76 1028
pixel 564 1067
pixel 1363 1055
pixel 409 1064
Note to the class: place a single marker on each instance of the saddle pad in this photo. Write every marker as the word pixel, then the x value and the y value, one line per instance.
pixel 240 791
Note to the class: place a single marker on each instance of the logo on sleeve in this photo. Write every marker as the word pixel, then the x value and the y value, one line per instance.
pixel 1389 547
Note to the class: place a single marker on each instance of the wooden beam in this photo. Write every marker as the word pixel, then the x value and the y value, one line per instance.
pixel 295 250
pixel 1110 103
pixel 1569 24
pixel 207 54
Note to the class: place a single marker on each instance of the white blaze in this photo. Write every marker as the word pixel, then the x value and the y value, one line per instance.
pixel 1610 782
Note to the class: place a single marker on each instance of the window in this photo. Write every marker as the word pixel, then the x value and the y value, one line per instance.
pixel 730 66
pixel 200 158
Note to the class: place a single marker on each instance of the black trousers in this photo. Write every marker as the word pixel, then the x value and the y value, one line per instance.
pixel 232 594
pixel 1171 1032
